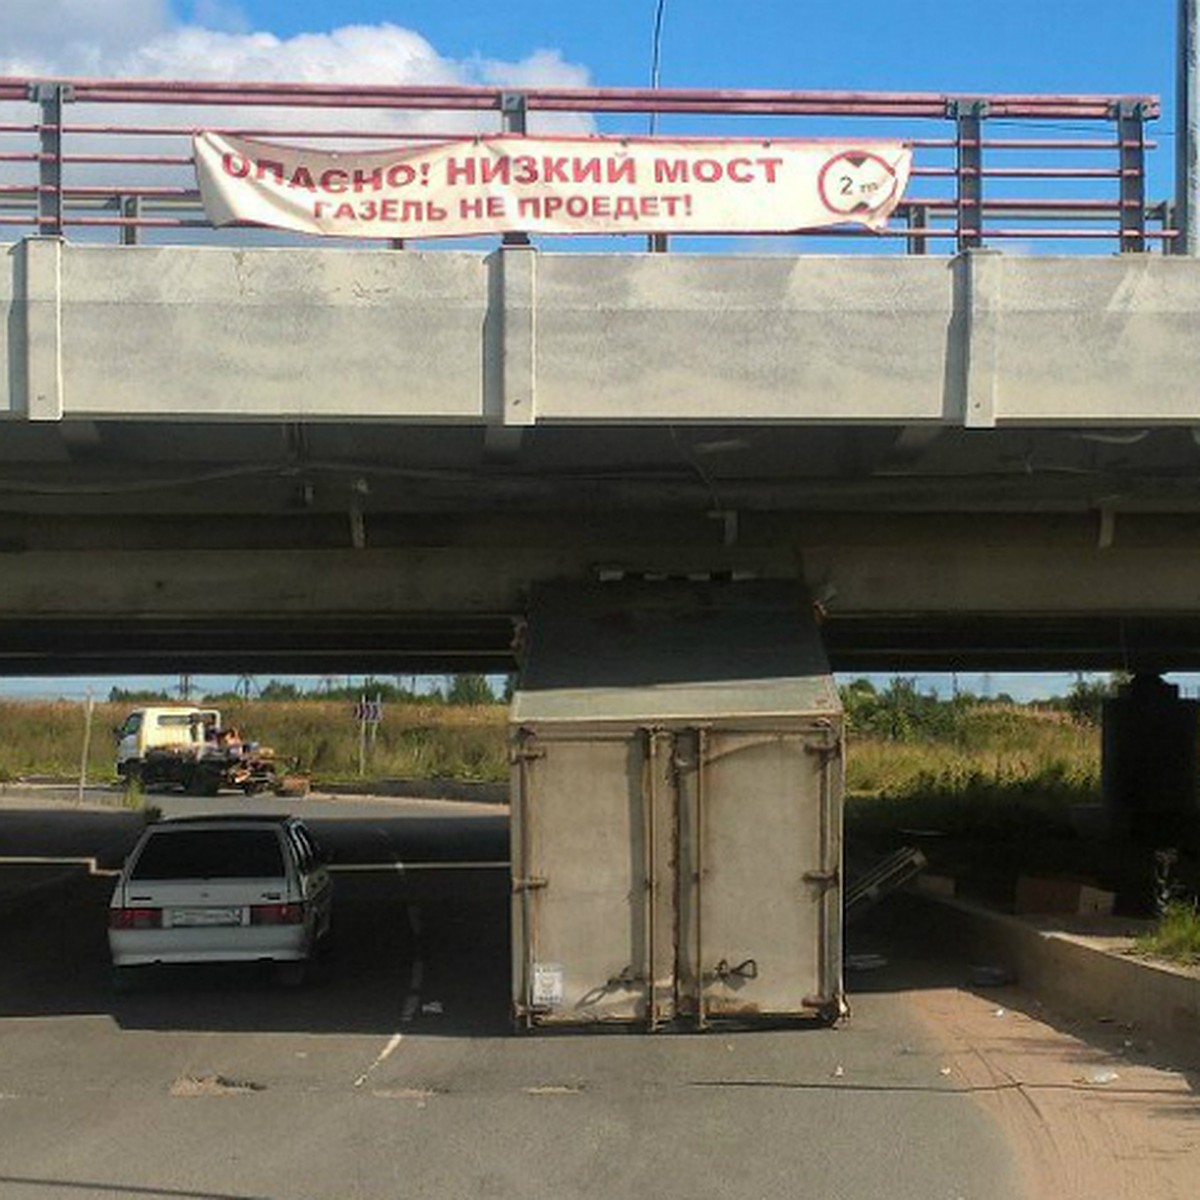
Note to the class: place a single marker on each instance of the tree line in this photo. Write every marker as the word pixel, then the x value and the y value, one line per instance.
pixel 456 690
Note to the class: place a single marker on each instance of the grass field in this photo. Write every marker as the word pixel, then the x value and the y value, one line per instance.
pixel 991 750
pixel 414 741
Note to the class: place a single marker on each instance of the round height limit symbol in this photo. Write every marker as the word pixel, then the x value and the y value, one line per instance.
pixel 856 182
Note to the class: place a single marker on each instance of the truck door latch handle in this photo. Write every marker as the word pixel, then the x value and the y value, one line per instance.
pixel 744 970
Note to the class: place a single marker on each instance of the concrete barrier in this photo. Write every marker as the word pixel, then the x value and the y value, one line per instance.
pixel 1078 966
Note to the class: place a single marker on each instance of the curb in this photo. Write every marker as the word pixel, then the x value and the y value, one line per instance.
pixel 422 789
pixel 1070 973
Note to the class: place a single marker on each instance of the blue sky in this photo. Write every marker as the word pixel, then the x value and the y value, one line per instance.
pixel 1023 45
pixel 1064 45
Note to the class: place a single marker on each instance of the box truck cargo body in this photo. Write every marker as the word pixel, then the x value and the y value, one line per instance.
pixel 677 813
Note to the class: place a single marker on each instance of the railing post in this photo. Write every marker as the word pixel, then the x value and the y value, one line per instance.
pixel 513 113
pixel 968 115
pixel 1187 131
pixel 1131 134
pixel 51 97
pixel 917 217
pixel 130 208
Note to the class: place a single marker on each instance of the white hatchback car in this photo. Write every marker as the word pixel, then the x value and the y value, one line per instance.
pixel 221 889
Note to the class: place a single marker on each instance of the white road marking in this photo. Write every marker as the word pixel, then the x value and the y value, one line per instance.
pixel 457 866
pixel 401 867
pixel 360 868
pixel 384 1054
pixel 42 860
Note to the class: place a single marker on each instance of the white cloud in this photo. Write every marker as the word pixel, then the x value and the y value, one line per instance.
pixel 41 36
pixel 141 39
pixel 146 39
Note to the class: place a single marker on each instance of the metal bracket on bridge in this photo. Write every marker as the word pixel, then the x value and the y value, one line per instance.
pixel 509 352
pixel 39 276
pixel 510 348
pixel 979 278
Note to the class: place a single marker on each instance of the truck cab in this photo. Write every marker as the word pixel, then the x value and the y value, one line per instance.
pixel 162 727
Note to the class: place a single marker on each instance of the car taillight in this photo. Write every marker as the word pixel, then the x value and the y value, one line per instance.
pixel 135 918
pixel 277 914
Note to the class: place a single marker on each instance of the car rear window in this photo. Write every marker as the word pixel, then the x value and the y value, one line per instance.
pixel 211 854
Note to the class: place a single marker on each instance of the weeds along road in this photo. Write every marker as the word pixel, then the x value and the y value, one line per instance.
pixel 395 1072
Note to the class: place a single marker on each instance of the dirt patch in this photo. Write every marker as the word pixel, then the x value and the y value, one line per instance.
pixel 1085 1121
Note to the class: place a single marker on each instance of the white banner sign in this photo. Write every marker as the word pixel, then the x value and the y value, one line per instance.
pixel 552 185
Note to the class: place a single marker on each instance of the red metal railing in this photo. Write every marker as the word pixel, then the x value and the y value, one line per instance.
pixel 987 169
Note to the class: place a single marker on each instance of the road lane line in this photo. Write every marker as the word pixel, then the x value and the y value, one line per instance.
pixel 45 860
pixel 384 1055
pixel 403 867
pixel 489 865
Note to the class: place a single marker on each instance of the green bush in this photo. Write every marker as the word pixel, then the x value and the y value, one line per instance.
pixel 1177 935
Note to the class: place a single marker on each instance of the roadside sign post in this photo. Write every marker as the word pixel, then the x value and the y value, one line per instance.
pixel 369 714
pixel 88 709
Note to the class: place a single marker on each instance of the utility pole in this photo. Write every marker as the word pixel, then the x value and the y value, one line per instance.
pixel 656 243
pixel 1187 131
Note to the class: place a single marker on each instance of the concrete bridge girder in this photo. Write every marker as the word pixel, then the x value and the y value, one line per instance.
pixel 856 564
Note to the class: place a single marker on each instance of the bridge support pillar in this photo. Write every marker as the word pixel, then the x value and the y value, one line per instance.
pixel 1150 767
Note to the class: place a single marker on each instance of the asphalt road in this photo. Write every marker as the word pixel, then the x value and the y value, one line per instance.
pixel 396 1071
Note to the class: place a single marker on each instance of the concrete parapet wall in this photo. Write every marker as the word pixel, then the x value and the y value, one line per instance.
pixel 519 337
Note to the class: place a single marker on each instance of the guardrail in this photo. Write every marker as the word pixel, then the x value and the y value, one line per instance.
pixel 988 169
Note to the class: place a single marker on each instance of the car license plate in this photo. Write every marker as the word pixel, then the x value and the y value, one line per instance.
pixel 205 917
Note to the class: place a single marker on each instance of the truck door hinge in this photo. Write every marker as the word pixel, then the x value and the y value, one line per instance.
pixel 825 749
pixel 531 884
pixel 524 754
pixel 825 879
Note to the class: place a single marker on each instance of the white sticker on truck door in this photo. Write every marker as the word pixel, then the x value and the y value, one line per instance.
pixel 549 985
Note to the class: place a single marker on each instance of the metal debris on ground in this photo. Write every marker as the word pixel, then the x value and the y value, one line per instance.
pixel 986 976
pixel 1101 1077
pixel 839 1071
pixel 865 962
pixel 1000 1012
pixel 886 876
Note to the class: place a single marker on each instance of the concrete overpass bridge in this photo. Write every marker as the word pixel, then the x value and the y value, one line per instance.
pixel 972 437
pixel 238 450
